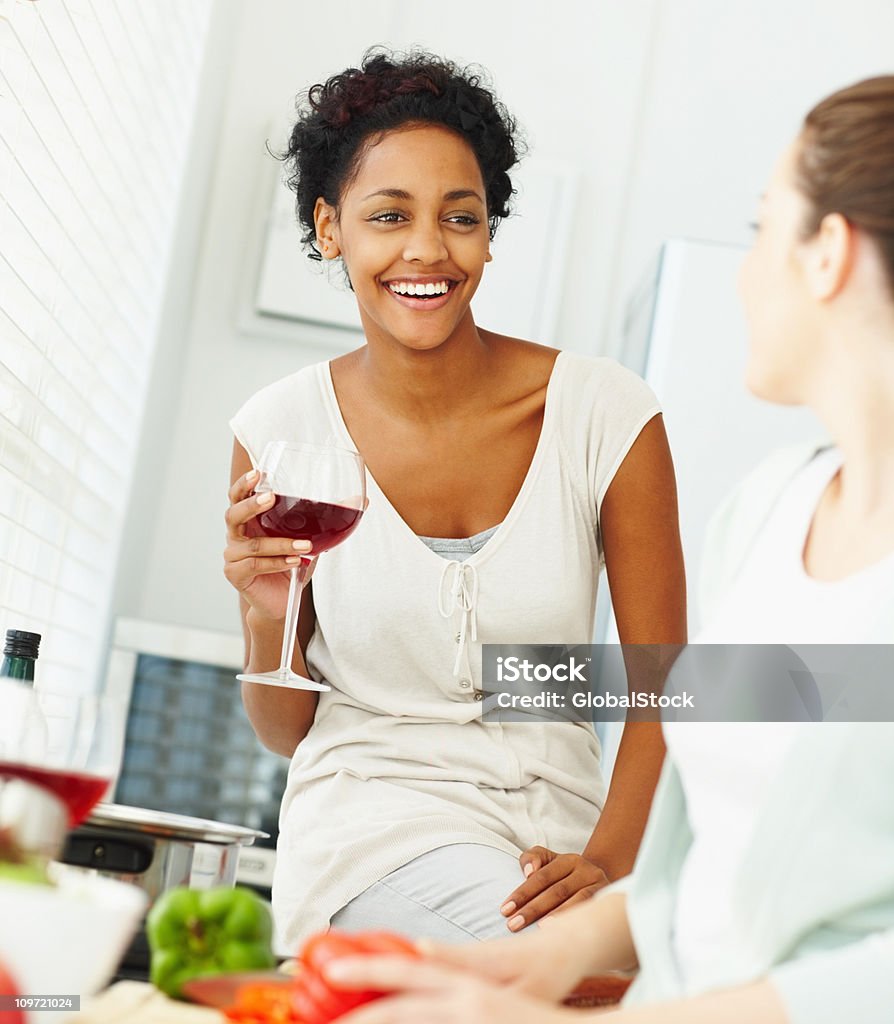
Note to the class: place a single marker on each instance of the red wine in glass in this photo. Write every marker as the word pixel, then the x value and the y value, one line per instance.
pixel 322 523
pixel 319 496
pixel 79 791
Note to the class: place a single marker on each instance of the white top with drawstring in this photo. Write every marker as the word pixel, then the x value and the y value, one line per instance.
pixel 400 760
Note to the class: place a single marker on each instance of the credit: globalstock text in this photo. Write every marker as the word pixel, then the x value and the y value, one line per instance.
pixel 550 699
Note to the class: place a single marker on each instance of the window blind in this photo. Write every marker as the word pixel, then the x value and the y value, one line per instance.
pixel 96 107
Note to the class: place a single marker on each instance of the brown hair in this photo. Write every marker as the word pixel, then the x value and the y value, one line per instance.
pixel 846 161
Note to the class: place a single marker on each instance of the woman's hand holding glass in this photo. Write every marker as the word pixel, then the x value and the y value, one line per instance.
pixel 311 495
pixel 256 565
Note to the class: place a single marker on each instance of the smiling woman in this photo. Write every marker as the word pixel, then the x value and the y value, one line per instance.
pixel 421 247
pixel 501 474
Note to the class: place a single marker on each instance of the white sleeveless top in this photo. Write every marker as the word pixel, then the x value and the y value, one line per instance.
pixel 398 761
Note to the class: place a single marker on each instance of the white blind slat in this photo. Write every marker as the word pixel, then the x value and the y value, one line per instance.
pixel 96 106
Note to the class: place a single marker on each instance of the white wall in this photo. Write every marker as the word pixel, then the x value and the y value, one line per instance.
pixel 674 109
pixel 730 83
pixel 164 393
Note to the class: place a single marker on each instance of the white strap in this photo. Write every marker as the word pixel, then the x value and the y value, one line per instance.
pixel 460 579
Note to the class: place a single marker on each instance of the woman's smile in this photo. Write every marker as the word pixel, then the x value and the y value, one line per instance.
pixel 427 293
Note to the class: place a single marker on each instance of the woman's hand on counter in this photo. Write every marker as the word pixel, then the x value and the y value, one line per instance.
pixel 554 881
pixel 258 566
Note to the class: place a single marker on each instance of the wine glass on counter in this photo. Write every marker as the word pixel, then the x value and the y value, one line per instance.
pixel 320 497
pixel 85 740
pixel 68 743
pixel 59 755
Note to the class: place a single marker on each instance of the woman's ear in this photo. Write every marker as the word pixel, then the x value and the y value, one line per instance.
pixel 326 223
pixel 829 256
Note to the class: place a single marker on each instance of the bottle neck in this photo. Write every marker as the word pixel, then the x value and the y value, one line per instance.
pixel 14 667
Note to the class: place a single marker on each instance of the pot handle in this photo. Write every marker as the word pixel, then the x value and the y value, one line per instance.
pixel 116 856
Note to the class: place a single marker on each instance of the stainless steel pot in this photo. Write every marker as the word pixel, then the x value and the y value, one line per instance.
pixel 155 850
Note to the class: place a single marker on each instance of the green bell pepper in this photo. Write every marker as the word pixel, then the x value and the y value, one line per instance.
pixel 212 931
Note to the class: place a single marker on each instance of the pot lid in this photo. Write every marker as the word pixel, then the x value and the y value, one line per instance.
pixel 122 818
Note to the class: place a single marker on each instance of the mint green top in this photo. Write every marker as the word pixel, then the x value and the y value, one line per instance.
pixel 820 922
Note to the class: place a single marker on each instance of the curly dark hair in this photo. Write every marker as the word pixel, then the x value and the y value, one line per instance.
pixel 340 117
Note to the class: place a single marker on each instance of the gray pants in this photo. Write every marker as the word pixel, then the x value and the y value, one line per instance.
pixel 453 894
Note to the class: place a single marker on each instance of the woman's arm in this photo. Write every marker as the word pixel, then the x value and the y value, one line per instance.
pixel 440 996
pixel 644 562
pixel 851 983
pixel 754 1003
pixel 545 963
pixel 280 717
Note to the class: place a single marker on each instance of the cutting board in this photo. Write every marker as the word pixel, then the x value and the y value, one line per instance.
pixel 139 1003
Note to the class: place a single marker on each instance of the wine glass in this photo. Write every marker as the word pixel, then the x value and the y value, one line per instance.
pixel 320 496
pixel 59 752
pixel 85 742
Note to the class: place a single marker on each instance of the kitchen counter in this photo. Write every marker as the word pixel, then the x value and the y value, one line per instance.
pixel 137 1002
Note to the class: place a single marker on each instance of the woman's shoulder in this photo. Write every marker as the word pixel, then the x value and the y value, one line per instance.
pixel 601 373
pixel 739 518
pixel 752 499
pixel 307 379
pixel 572 372
pixel 281 408
pixel 598 397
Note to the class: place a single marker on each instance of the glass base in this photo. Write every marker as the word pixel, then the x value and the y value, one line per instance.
pixel 290 680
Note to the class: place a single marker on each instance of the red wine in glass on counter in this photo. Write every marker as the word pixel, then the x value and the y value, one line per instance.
pixel 79 791
pixel 321 522
pixel 64 742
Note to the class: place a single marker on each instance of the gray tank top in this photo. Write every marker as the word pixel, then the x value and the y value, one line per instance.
pixel 459 548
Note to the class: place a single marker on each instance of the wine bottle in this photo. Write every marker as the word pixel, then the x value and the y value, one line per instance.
pixel 33 818
pixel 19 655
pixel 24 726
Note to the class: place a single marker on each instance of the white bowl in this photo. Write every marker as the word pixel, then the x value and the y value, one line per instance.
pixel 67 939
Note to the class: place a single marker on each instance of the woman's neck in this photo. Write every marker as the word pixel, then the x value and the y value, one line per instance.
pixel 433 385
pixel 854 398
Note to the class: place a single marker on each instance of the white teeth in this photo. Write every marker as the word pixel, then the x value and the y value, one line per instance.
pixel 411 288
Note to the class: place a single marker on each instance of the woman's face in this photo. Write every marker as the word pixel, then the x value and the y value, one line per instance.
pixel 778 306
pixel 413 220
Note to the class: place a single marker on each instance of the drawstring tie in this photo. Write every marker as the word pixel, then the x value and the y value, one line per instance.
pixel 462 593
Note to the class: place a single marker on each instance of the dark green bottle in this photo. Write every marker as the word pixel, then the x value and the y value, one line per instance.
pixel 19 655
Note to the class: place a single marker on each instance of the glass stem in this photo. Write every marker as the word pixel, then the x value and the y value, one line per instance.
pixel 292 610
